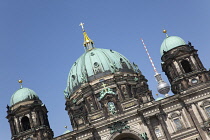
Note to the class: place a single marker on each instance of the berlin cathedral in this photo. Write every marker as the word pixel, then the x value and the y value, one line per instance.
pixel 108 98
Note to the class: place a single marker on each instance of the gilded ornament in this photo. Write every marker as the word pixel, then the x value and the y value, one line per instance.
pixel 164 31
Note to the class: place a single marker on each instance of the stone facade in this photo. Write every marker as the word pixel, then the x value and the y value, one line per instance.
pixel 120 106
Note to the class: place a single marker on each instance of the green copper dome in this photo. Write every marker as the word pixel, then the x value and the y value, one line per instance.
pixel 170 43
pixel 23 94
pixel 94 64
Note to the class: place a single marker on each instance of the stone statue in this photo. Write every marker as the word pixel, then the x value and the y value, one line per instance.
pixel 112 108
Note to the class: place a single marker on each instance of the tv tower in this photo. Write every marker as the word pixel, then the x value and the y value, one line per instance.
pixel 163 87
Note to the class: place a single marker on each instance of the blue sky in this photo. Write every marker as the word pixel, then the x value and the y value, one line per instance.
pixel 41 39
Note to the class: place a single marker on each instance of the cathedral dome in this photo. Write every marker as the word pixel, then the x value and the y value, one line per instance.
pixel 23 94
pixel 171 42
pixel 94 64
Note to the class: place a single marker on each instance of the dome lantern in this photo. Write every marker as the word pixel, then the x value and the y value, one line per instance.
pixel 88 43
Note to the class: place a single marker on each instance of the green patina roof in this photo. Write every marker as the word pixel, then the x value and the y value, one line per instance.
pixel 170 43
pixel 94 64
pixel 23 94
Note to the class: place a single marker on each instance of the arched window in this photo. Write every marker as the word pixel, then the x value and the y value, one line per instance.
pixel 207 109
pixel 25 123
pixel 186 66
pixel 157 132
pixel 178 124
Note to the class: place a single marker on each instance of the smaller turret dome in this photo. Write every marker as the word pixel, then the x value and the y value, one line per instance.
pixel 170 43
pixel 23 94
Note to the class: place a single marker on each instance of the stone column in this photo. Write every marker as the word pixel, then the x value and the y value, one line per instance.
pixel 37 118
pixel 197 113
pixel 19 125
pixel 41 118
pixel 187 122
pixel 11 126
pixel 163 124
pixel 151 129
pixel 196 123
pixel 31 120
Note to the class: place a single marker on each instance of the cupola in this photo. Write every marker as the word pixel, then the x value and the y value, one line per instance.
pixel 23 94
pixel 170 42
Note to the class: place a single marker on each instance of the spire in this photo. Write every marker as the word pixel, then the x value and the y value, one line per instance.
pixel 20 81
pixel 165 32
pixel 163 87
pixel 88 43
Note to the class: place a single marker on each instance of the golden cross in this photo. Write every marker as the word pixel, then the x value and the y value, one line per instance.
pixel 103 85
pixel 82 25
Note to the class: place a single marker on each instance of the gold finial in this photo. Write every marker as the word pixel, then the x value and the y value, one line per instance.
pixel 157 94
pixel 165 32
pixel 20 81
pixel 87 41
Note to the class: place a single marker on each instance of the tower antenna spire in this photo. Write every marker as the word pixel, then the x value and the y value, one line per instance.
pixel 153 65
pixel 163 87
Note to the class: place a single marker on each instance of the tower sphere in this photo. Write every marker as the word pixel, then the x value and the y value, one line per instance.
pixel 163 88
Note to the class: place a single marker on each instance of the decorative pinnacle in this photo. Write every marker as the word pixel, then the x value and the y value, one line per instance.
pixel 165 32
pixel 20 81
pixel 88 43
pixel 65 127
pixel 157 94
